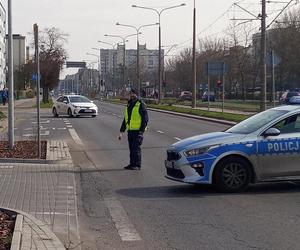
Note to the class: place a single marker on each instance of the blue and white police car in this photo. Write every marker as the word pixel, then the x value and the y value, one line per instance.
pixel 264 147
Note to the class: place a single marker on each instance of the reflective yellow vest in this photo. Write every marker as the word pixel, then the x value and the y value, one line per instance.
pixel 136 119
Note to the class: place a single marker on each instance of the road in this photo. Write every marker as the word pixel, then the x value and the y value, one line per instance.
pixel 121 209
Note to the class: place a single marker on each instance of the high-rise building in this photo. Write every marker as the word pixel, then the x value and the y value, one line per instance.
pixel 19 51
pixel 112 61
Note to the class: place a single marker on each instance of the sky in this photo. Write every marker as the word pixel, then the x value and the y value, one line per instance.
pixel 86 21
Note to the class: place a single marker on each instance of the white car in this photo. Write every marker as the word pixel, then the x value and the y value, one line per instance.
pixel 74 106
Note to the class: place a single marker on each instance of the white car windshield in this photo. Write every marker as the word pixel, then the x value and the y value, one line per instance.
pixel 255 122
pixel 74 99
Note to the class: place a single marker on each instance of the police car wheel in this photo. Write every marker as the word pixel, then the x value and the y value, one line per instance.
pixel 232 175
pixel 54 112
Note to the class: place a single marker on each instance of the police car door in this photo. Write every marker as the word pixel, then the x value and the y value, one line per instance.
pixel 279 156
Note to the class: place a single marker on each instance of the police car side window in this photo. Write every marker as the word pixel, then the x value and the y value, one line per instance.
pixel 289 125
pixel 60 99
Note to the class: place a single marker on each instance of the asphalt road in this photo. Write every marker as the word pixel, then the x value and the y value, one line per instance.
pixel 121 209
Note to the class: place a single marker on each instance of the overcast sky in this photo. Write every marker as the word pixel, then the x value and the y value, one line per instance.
pixel 86 21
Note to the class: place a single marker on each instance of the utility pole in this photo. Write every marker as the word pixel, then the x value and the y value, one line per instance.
pixel 263 53
pixel 37 61
pixel 194 79
pixel 11 136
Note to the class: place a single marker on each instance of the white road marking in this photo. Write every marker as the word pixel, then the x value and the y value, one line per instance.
pixel 75 136
pixel 69 126
pixel 178 139
pixel 62 128
pixel 42 134
pixel 53 128
pixel 161 132
pixel 54 213
pixel 119 216
pixel 27 129
pixel 48 121
pixel 6 167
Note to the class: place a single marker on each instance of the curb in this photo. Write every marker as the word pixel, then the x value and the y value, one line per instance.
pixel 17 235
pixel 57 153
pixel 185 115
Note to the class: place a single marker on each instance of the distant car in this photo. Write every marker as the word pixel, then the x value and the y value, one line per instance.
pixel 73 106
pixel 186 96
pixel 285 98
pixel 211 96
pixel 262 148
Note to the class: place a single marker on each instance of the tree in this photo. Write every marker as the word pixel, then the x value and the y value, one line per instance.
pixel 52 58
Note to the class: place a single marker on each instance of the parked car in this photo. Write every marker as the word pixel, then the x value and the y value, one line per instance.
pixel 285 98
pixel 211 96
pixel 186 96
pixel 73 106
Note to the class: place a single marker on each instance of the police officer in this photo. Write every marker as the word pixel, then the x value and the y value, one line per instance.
pixel 135 121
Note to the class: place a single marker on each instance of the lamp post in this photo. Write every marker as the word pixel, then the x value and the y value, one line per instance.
pixel 137 29
pixel 113 45
pixel 98 60
pixel 11 136
pixel 124 39
pixel 99 66
pixel 166 54
pixel 159 12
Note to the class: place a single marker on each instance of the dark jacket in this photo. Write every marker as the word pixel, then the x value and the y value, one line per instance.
pixel 143 112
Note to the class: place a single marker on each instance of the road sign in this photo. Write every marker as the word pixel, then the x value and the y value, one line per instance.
pixel 277 59
pixel 34 77
pixel 215 68
pixel 76 64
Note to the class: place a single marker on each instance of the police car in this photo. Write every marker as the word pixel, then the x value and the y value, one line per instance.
pixel 264 147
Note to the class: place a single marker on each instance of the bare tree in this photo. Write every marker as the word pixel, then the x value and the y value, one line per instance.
pixel 52 58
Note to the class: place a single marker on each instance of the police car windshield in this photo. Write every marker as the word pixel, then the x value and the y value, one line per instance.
pixel 78 99
pixel 257 121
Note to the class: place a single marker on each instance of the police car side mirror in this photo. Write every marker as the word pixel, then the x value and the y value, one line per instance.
pixel 271 132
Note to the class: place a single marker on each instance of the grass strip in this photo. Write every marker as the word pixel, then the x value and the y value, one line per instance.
pixel 190 111
pixel 47 105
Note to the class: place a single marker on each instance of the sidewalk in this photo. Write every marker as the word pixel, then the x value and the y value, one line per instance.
pixel 46 196
pixel 23 103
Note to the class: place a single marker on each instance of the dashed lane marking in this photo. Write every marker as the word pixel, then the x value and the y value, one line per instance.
pixel 42 134
pixel 161 132
pixel 178 139
pixel 120 218
pixel 75 136
pixel 48 121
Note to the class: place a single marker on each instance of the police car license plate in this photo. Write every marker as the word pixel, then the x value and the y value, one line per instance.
pixel 169 164
pixel 88 111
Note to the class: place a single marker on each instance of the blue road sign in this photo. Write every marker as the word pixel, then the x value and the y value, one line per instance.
pixel 277 59
pixel 216 68
pixel 34 77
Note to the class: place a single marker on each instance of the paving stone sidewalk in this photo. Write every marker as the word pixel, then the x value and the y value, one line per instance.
pixel 47 192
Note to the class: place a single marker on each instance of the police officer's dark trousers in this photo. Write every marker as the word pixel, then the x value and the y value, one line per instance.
pixel 135 140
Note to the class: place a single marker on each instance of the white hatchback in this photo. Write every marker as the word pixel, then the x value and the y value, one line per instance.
pixel 74 106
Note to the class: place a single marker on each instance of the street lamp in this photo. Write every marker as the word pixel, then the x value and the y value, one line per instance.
pixel 137 29
pixel 98 60
pixel 99 66
pixel 11 134
pixel 113 45
pixel 124 51
pixel 159 12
